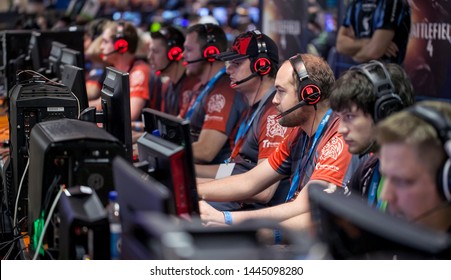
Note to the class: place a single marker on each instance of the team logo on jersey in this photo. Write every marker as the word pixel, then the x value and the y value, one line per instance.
pixel 273 128
pixel 216 103
pixel 332 149
pixel 366 26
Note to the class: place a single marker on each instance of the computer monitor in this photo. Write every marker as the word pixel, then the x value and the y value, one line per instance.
pixel 115 96
pixel 15 44
pixel 69 57
pixel 137 191
pixel 353 230
pixel 41 43
pixel 166 162
pixel 55 58
pixel 14 67
pixel 177 131
pixel 74 78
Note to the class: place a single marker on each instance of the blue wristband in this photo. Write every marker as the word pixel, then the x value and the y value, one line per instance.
pixel 277 236
pixel 227 217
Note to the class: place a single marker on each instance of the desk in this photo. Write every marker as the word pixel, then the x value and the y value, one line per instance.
pixel 4 125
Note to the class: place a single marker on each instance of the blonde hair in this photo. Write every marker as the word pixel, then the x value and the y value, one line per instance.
pixel 404 127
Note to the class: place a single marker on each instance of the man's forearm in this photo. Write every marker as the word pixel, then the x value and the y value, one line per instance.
pixel 350 46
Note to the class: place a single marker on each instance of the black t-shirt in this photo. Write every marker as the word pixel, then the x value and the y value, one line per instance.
pixel 361 179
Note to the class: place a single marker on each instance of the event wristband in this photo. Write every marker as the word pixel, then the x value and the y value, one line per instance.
pixel 277 236
pixel 227 217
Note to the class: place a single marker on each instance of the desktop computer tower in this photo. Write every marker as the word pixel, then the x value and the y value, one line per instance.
pixel 32 102
pixel 68 152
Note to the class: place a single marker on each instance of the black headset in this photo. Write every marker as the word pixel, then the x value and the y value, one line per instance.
pixel 175 50
pixel 309 91
pixel 120 43
pixel 210 50
pixel 443 127
pixel 261 64
pixel 387 101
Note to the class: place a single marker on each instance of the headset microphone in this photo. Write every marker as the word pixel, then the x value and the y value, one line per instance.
pixel 186 62
pixel 159 71
pixel 255 74
pixel 304 102
pixel 107 54
pixel 297 106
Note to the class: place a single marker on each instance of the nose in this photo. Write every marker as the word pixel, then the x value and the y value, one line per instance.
pixel 276 99
pixel 387 193
pixel 342 129
pixel 228 68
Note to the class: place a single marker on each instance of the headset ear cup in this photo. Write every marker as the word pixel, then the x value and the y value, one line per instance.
pixel 387 105
pixel 310 93
pixel 262 66
pixel 121 45
pixel 444 180
pixel 175 54
pixel 210 52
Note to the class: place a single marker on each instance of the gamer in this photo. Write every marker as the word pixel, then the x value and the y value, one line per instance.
pixel 363 96
pixel 215 108
pixel 165 56
pixel 252 65
pixel 316 154
pixel 416 161
pixel 118 47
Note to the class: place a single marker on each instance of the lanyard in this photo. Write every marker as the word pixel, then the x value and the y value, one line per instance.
pixel 204 92
pixel 373 185
pixel 295 182
pixel 375 189
pixel 246 124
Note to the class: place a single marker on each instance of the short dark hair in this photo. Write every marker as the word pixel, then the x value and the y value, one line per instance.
pixel 171 35
pixel 205 29
pixel 354 88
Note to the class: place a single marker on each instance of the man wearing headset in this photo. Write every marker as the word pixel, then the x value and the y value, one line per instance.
pixel 118 48
pixel 363 96
pixel 317 153
pixel 415 160
pixel 215 108
pixel 165 56
pixel 252 63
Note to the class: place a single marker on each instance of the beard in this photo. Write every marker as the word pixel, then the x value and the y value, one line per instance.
pixel 294 119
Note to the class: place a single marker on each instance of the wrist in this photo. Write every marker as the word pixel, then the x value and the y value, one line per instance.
pixel 228 217
pixel 277 236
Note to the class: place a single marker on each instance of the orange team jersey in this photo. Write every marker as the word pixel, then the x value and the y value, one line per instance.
pixel 139 80
pixel 330 161
pixel 263 136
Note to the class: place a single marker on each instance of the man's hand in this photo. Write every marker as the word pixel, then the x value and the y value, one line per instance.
pixel 392 50
pixel 209 215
